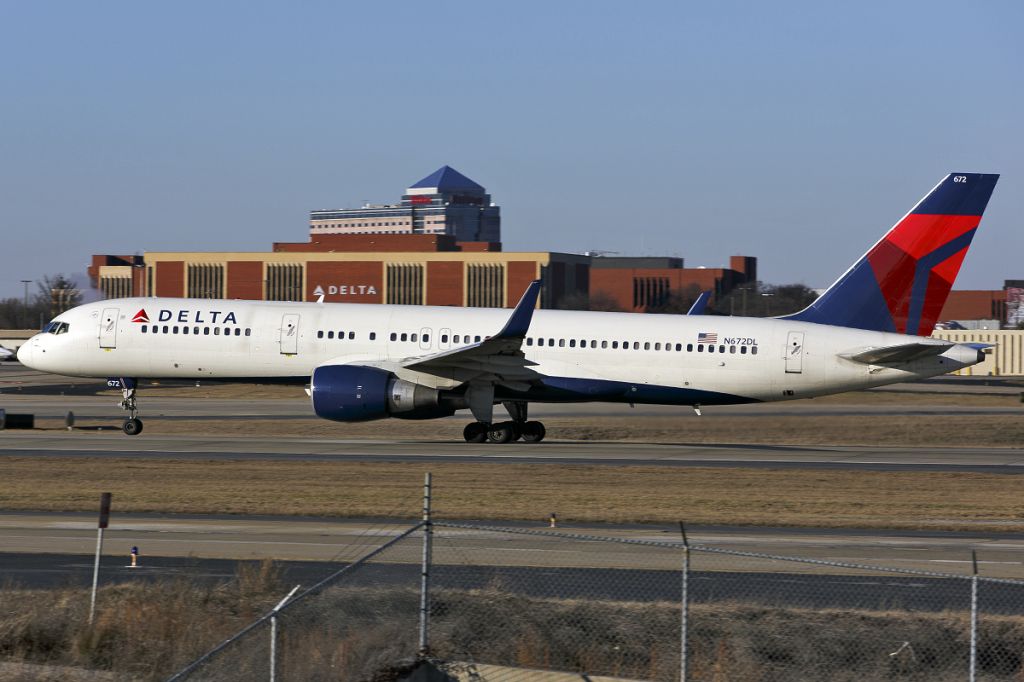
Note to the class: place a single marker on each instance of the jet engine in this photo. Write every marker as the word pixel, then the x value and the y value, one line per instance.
pixel 353 393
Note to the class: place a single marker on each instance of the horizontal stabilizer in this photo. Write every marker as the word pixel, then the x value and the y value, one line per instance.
pixel 905 352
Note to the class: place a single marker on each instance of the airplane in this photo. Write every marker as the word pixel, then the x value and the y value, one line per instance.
pixel 372 361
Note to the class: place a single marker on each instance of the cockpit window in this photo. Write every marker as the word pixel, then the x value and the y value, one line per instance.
pixel 56 327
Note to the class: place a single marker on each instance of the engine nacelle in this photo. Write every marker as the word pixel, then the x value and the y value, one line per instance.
pixel 353 393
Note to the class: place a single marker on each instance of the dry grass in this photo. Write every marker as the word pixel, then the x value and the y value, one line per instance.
pixel 790 497
pixel 147 631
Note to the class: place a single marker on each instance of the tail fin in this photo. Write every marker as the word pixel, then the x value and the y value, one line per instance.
pixel 901 284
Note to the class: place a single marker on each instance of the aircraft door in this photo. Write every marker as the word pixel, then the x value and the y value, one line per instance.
pixel 108 328
pixel 425 334
pixel 290 334
pixel 795 353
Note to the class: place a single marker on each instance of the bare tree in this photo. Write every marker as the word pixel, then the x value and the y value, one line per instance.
pixel 57 293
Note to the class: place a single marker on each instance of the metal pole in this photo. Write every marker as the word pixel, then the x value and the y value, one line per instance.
pixel 26 282
pixel 104 521
pixel 95 574
pixel 684 667
pixel 273 632
pixel 428 533
pixel 974 618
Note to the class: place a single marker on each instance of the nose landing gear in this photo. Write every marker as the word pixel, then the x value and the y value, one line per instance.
pixel 132 425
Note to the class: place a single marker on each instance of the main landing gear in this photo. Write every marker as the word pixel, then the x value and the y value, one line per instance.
pixel 132 425
pixel 506 432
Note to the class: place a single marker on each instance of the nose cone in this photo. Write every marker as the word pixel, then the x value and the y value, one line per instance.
pixel 26 353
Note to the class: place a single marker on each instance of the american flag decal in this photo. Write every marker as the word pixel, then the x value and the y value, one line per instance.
pixel 707 337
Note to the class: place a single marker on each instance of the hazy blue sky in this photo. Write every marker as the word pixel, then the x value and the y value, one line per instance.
pixel 795 132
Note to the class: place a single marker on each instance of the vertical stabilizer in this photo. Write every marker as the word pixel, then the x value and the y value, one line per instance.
pixel 902 282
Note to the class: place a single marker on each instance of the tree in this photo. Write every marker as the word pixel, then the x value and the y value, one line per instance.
pixel 678 302
pixel 57 293
pixel 765 300
pixel 578 300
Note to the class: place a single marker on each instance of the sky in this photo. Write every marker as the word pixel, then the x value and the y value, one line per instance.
pixel 797 132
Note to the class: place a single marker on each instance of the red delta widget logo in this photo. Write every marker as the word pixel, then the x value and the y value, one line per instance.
pixel 189 316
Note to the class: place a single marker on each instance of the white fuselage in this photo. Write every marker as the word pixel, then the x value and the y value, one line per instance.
pixel 751 359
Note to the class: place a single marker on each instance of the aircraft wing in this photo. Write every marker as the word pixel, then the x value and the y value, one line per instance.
pixel 498 358
pixel 905 352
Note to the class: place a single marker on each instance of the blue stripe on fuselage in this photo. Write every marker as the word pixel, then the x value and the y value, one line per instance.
pixel 570 389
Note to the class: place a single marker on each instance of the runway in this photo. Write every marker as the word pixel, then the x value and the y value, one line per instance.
pixel 50 550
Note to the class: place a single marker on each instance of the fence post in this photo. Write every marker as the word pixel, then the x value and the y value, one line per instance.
pixel 428 533
pixel 684 666
pixel 974 617
pixel 101 526
pixel 273 632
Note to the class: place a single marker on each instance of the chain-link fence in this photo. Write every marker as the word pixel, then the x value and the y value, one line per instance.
pixel 497 603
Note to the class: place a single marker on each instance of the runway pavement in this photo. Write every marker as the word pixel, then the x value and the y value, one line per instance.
pixel 51 550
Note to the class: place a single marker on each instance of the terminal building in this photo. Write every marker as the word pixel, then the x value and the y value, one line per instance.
pixel 441 245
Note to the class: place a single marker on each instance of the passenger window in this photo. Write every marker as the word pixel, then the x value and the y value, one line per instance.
pixel 743 350
pixel 604 344
pixel 394 336
pixel 647 345
pixel 700 347
pixel 165 329
pixel 711 349
pixel 144 327
pixel 227 331
pixel 426 338
pixel 320 334
pixel 404 337
pixel 561 343
pixel 373 336
pixel 753 350
pixel 351 335
pixel 238 331
pixel 444 338
pixel 551 342
pixel 572 343
pixel 184 330
pixel 195 330
pixel 615 345
pixel 412 337
pixel 732 349
pixel 216 331
pixel 636 345
pixel 206 331
pixel 330 335
pixel 175 329
pixel 478 339
pixel 689 348
pixel 721 349
pixel 657 346
pixel 248 331
pixel 679 347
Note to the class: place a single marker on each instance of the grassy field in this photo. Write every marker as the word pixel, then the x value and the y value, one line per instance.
pixel 791 497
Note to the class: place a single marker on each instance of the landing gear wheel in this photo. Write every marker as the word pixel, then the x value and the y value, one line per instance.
pixel 503 432
pixel 475 432
pixel 132 427
pixel 533 432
